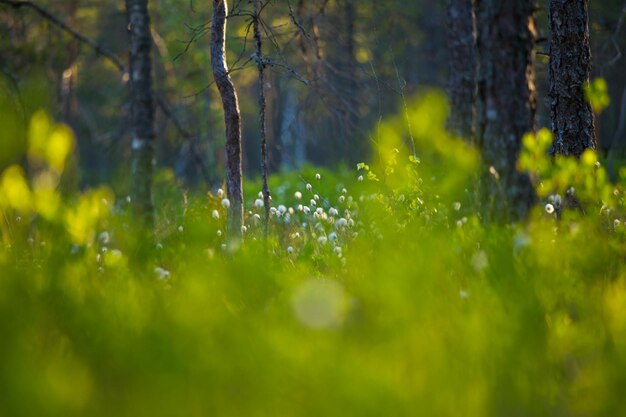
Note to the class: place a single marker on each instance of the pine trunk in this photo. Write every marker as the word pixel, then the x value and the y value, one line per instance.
pixel 506 102
pixel 463 68
pixel 570 65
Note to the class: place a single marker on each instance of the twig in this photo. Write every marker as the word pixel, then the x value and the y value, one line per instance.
pixel 292 15
pixel 290 70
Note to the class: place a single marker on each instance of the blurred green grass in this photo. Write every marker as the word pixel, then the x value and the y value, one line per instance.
pixel 425 311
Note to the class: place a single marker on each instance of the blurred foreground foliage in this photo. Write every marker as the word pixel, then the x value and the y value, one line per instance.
pixel 379 291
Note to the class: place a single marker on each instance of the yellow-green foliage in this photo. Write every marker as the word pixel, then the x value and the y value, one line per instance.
pixel 597 94
pixel 393 300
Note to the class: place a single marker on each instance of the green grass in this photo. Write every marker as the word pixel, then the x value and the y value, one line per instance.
pixel 424 310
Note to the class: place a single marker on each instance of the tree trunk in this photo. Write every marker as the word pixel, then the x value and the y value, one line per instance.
pixel 463 68
pixel 262 107
pixel 356 146
pixel 232 118
pixel 68 93
pixel 506 102
pixel 142 99
pixel 570 65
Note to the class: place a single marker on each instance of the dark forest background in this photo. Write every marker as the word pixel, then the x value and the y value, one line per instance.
pixel 339 66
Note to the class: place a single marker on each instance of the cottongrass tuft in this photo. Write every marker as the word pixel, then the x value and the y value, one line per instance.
pixel 341 223
pixel 162 274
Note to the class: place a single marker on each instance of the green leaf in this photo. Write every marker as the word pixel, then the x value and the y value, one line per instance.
pixel 596 93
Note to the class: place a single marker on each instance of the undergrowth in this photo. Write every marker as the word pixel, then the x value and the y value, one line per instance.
pixel 380 290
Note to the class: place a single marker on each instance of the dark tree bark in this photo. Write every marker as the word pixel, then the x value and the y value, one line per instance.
pixel 262 107
pixel 463 67
pixel 232 118
pixel 143 104
pixel 506 101
pixel 570 65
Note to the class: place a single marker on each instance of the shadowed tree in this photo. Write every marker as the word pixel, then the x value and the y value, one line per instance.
pixel 463 67
pixel 506 101
pixel 232 118
pixel 570 65
pixel 142 103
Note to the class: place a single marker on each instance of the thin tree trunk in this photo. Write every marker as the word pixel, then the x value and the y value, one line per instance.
pixel 570 66
pixel 232 118
pixel 68 94
pixel 506 101
pixel 262 106
pixel 143 104
pixel 463 67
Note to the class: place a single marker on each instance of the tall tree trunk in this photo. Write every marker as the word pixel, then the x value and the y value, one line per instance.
pixel 506 101
pixel 262 107
pixel 142 97
pixel 570 65
pixel 232 118
pixel 463 67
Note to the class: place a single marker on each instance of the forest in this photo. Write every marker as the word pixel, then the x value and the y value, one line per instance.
pixel 312 208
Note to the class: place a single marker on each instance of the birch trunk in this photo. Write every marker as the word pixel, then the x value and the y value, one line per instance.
pixel 506 102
